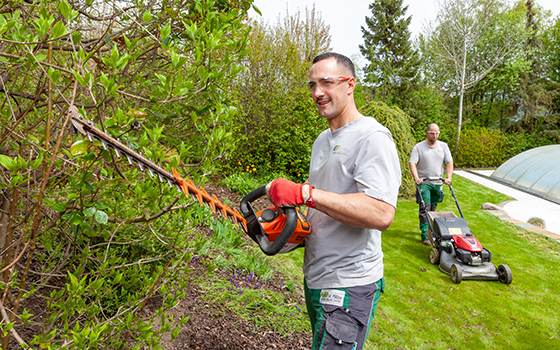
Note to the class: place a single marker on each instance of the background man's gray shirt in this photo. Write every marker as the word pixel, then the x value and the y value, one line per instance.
pixel 429 160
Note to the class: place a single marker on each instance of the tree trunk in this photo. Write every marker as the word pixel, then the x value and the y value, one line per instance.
pixel 461 94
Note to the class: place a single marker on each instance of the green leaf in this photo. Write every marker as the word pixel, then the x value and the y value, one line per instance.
pixel 175 333
pixel 79 147
pixel 165 31
pixel 76 37
pixel 101 217
pixel 58 30
pixel 79 78
pixel 147 16
pixel 90 211
pixel 54 74
pixel 118 278
pixel 8 162
pixel 109 123
pixel 65 9
pixel 60 207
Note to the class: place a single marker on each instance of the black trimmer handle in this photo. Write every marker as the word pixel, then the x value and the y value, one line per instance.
pixel 254 229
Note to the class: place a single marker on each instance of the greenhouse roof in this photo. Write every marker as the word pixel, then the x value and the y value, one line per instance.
pixel 536 171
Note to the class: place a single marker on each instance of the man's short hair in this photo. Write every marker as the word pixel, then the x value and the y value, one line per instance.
pixel 340 60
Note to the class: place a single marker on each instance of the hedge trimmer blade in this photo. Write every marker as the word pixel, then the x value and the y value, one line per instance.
pixel 88 129
pixel 213 202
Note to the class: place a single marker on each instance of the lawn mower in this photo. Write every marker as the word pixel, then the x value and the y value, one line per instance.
pixel 456 250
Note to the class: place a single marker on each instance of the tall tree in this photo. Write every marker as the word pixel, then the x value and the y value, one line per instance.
pixel 533 97
pixel 393 63
pixel 470 39
pixel 551 44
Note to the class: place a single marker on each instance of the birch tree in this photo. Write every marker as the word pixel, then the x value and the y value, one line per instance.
pixel 468 40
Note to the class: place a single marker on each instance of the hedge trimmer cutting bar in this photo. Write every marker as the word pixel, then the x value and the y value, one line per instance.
pixel 88 129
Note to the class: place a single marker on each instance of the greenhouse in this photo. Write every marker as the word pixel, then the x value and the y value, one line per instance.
pixel 536 171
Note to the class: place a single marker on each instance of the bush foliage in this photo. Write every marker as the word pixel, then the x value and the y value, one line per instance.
pixel 482 147
pixel 398 123
pixel 103 236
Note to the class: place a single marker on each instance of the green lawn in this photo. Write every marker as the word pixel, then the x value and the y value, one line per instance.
pixel 423 309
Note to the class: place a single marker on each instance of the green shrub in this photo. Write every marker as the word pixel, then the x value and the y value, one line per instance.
pixel 481 147
pixel 398 123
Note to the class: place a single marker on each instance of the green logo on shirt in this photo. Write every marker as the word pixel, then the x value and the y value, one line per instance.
pixel 338 149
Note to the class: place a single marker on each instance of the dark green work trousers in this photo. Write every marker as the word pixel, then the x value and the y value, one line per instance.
pixel 432 195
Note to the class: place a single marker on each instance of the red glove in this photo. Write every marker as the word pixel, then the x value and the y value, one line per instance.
pixel 285 193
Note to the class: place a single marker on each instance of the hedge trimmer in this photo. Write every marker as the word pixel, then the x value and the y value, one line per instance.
pixel 275 232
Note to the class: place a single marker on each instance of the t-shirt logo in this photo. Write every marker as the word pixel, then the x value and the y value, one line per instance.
pixel 338 149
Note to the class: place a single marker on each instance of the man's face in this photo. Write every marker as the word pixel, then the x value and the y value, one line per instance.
pixel 432 134
pixel 330 88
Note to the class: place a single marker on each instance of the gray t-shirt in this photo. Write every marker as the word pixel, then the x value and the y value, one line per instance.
pixel 429 160
pixel 359 157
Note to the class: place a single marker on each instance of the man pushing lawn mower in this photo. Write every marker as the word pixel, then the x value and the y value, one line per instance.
pixel 354 179
pixel 426 162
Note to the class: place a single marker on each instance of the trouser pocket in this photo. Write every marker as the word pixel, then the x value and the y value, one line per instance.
pixel 341 328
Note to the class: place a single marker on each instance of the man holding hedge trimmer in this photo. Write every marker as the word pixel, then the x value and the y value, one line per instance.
pixel 354 178
pixel 426 161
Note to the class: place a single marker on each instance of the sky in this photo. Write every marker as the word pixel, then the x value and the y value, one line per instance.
pixel 346 18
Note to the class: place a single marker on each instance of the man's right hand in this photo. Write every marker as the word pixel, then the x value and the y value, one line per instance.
pixel 419 181
pixel 283 193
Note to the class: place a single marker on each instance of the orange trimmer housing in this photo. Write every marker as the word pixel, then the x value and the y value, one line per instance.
pixel 273 222
pixel 275 231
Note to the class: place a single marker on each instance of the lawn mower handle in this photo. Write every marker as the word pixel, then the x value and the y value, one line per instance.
pixel 450 188
pixel 254 228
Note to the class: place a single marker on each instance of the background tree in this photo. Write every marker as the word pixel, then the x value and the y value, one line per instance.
pixel 393 63
pixel 534 100
pixel 551 51
pixel 470 39
pixel 278 121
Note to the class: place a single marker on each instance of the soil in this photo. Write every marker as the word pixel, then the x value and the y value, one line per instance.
pixel 211 325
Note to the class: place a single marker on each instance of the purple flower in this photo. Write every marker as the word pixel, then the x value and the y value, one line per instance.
pixel 262 296
pixel 247 298
pixel 255 304
pixel 240 291
pixel 291 314
pixel 231 279
pixel 251 274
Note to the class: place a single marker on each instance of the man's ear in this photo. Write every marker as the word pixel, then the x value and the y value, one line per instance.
pixel 351 85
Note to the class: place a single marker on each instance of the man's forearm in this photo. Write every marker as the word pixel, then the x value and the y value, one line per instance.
pixel 355 209
pixel 449 171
